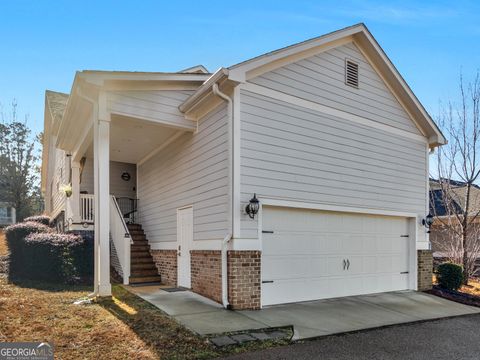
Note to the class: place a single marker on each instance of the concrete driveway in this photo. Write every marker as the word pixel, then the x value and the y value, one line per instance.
pixel 309 319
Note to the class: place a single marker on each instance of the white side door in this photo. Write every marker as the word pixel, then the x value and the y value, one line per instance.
pixel 184 245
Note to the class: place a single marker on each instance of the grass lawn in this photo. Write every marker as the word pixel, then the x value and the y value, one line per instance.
pixel 123 327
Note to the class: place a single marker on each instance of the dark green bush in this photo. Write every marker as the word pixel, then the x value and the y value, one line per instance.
pixel 450 276
pixel 42 219
pixel 16 235
pixel 53 257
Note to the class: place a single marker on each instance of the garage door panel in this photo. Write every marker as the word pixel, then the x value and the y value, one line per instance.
pixel 305 258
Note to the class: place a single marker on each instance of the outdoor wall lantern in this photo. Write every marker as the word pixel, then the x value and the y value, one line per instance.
pixel 428 221
pixel 252 208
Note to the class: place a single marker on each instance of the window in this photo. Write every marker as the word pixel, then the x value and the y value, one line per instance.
pixel 351 73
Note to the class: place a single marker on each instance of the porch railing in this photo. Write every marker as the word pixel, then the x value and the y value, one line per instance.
pixel 121 239
pixel 87 208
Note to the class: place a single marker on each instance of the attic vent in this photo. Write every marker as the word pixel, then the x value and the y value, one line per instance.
pixel 351 73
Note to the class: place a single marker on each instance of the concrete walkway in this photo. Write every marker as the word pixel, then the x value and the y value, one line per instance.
pixel 309 319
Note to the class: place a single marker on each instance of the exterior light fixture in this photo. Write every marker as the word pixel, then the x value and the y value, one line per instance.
pixel 428 221
pixel 252 208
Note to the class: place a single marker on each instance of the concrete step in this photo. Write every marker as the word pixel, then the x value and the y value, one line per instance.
pixel 144 279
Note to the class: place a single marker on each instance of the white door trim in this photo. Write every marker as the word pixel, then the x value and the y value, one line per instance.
pixel 184 245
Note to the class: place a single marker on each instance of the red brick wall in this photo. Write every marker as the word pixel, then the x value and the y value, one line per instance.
pixel 166 262
pixel 244 283
pixel 206 270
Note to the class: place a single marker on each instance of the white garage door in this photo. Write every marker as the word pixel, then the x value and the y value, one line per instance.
pixel 310 254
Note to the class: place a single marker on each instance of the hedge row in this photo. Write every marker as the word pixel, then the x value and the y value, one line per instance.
pixel 39 253
pixel 42 219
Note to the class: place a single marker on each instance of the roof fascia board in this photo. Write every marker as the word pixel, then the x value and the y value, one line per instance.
pixel 365 39
pixel 219 75
pixel 242 75
pixel 99 78
pixel 257 62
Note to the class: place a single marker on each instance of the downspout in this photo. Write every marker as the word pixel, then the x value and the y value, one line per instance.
pixel 228 237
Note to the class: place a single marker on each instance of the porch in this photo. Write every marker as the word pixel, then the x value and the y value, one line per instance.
pixel 113 123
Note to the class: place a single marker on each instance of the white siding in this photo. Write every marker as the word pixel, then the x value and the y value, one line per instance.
pixel 193 170
pixel 298 154
pixel 321 78
pixel 60 177
pixel 158 104
pixel 118 186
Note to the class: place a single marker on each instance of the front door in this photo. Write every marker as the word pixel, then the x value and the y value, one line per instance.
pixel 184 244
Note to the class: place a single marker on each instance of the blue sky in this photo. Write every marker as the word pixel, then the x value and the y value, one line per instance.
pixel 43 43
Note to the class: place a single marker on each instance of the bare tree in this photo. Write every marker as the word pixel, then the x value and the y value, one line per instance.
pixel 458 167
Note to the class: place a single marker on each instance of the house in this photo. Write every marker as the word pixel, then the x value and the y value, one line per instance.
pixel 7 214
pixel 446 203
pixel 322 142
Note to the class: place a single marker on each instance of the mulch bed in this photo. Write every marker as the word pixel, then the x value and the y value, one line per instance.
pixel 456 296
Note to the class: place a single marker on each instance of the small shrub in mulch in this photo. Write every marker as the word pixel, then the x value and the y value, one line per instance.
pixel 450 276
pixel 42 219
pixel 53 257
pixel 16 235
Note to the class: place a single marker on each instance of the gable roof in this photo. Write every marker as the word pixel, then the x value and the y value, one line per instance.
pixel 56 102
pixel 361 36
pixel 197 69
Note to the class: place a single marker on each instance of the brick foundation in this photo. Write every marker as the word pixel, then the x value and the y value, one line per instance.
pixel 166 262
pixel 206 272
pixel 425 269
pixel 244 282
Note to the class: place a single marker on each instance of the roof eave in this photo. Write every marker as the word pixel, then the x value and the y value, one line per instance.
pixel 219 75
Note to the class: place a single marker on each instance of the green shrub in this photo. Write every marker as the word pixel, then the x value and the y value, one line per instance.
pixel 42 219
pixel 450 276
pixel 53 257
pixel 16 235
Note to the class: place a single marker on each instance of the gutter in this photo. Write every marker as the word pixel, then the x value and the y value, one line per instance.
pixel 204 89
pixel 216 91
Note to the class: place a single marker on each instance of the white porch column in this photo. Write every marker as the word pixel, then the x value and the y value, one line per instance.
pixel 102 202
pixel 75 198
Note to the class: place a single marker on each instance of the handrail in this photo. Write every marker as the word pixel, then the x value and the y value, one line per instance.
pixel 128 207
pixel 121 239
pixel 119 212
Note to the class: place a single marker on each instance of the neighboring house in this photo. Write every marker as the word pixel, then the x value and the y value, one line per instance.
pixel 326 133
pixel 7 214
pixel 445 242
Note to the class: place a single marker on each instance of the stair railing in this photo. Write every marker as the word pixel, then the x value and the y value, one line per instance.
pixel 128 207
pixel 121 238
